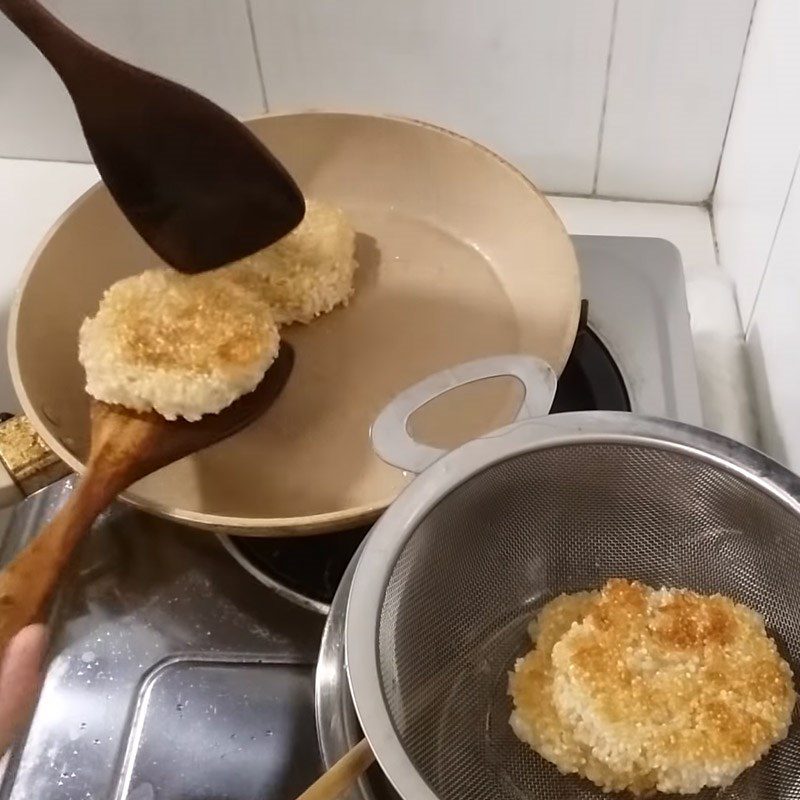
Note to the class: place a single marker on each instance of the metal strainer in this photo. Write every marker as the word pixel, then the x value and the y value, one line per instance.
pixel 454 571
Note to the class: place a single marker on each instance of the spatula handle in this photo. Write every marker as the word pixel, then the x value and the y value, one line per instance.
pixel 28 581
pixel 342 775
pixel 57 43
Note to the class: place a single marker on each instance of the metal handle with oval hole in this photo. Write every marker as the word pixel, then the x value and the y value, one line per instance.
pixel 394 444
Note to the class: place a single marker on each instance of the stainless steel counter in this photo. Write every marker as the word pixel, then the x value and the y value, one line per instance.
pixel 176 675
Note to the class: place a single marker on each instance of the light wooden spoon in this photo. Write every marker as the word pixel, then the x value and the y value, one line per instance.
pixel 342 775
pixel 125 446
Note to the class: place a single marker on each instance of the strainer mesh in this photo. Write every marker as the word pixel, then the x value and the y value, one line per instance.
pixel 500 545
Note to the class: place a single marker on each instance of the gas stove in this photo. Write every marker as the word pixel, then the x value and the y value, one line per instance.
pixel 633 353
pixel 178 675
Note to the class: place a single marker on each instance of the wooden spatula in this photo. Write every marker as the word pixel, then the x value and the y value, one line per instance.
pixel 125 446
pixel 196 184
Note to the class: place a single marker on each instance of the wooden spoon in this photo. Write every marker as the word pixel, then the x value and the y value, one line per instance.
pixel 125 446
pixel 196 184
pixel 342 775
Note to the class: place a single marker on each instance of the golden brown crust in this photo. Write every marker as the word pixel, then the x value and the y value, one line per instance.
pixel 182 345
pixel 307 273
pixel 535 719
pixel 651 689
pixel 198 324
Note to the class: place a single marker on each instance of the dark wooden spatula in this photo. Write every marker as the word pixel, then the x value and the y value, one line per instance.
pixel 125 446
pixel 195 183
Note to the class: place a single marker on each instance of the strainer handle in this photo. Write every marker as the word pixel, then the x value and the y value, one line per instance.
pixel 394 444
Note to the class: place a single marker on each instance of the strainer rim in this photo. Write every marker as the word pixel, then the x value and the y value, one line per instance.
pixel 390 534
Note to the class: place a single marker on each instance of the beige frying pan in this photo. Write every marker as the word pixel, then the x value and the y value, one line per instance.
pixel 459 257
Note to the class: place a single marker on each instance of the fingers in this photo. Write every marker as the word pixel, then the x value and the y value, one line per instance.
pixel 20 680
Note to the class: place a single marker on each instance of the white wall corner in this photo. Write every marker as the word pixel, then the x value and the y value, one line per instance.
pixel 674 69
pixel 761 149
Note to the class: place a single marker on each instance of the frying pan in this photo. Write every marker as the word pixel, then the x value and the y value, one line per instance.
pixel 460 257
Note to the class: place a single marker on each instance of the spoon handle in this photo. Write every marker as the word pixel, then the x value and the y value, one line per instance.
pixel 28 581
pixel 342 775
pixel 58 44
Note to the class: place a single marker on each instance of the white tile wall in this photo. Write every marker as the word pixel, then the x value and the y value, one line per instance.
pixel 32 197
pixel 757 219
pixel 772 340
pixel 525 77
pixel 673 73
pixel 204 44
pixel 530 78
pixel 762 147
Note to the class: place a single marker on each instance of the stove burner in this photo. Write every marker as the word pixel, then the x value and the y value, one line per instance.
pixel 308 569
pixel 590 380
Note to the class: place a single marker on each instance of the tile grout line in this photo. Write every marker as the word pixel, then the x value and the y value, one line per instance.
pixel 763 278
pixel 45 160
pixel 701 204
pixel 602 125
pixel 733 104
pixel 714 240
pixel 254 42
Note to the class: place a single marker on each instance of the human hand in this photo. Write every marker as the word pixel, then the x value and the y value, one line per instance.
pixel 20 680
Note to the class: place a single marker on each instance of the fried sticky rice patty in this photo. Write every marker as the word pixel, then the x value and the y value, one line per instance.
pixel 182 345
pixel 535 719
pixel 307 273
pixel 687 687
